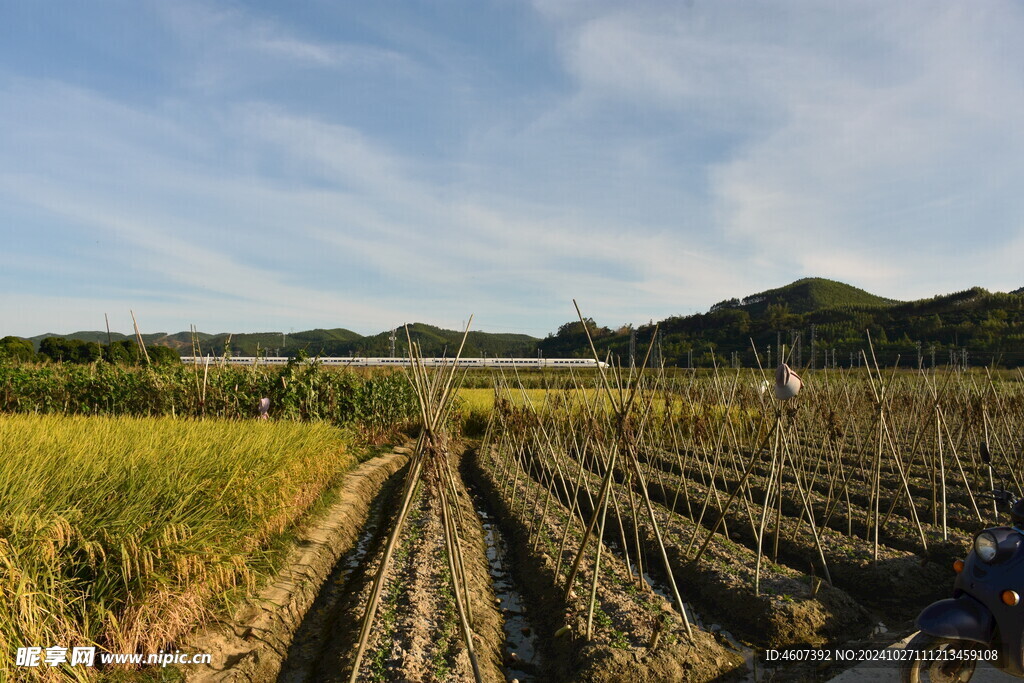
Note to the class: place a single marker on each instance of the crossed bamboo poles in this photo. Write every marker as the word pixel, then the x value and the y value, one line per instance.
pixel 829 467
pixel 430 463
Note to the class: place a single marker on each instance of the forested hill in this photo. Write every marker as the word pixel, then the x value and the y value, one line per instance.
pixel 819 321
pixel 975 326
pixel 806 295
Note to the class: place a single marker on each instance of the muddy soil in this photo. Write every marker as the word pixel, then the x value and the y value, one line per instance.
pixel 961 517
pixel 251 646
pixel 416 635
pixel 638 634
pixel 899 532
pixel 521 656
pixel 898 584
pixel 324 639
pixel 792 608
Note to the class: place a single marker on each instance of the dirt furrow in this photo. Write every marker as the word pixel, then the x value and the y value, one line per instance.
pixel 638 634
pixel 253 644
pixel 791 609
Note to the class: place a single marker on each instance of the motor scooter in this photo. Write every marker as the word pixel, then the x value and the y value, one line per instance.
pixel 984 620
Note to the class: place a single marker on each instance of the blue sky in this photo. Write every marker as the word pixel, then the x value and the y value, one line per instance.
pixel 275 166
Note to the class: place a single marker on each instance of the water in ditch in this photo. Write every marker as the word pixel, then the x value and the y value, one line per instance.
pixel 520 659
pixel 317 636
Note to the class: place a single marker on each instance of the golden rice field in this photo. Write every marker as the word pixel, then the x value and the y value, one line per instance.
pixel 125 532
pixel 577 401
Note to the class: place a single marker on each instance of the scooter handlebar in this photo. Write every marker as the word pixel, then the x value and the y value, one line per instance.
pixel 1001 496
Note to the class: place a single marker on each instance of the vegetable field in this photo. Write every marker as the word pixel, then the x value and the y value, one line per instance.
pixel 662 528
pixel 608 525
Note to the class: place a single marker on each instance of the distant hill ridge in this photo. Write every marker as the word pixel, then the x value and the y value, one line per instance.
pixel 326 342
pixel 979 325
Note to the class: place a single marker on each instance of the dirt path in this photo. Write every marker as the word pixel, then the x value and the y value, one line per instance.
pixel 252 646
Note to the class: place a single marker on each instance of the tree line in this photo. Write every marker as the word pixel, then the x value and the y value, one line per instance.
pixel 61 350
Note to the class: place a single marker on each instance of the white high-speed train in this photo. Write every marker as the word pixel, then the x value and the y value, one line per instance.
pixel 357 362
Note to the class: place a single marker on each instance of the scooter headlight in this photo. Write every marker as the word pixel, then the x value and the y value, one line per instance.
pixel 986 546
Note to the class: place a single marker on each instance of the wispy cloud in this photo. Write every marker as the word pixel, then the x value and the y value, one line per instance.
pixel 224 47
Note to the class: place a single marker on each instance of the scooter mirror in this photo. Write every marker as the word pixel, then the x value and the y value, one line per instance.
pixel 986 457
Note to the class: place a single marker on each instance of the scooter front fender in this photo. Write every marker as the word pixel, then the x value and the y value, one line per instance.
pixel 964 618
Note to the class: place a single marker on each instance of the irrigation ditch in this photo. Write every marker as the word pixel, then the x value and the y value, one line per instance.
pixel 252 644
pixel 638 633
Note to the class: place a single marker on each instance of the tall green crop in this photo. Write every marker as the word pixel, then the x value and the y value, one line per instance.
pixel 379 401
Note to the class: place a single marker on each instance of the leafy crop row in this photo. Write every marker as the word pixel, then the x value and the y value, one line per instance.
pixel 376 401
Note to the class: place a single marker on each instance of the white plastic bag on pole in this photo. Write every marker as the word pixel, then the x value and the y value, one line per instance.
pixel 787 383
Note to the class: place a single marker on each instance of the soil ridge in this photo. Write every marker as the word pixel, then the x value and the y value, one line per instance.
pixel 253 644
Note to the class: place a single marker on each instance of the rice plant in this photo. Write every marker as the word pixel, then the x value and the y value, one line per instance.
pixel 126 532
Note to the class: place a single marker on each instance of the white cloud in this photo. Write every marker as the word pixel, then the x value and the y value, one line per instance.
pixel 867 142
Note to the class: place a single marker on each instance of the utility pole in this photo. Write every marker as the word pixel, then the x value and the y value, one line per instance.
pixel 812 346
pixel 392 339
pixel 656 355
pixel 920 357
pixel 632 348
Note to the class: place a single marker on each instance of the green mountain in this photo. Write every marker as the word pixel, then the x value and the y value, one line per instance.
pixel 817 320
pixel 806 295
pixel 180 341
pixel 98 337
pixel 820 321
pixel 434 341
